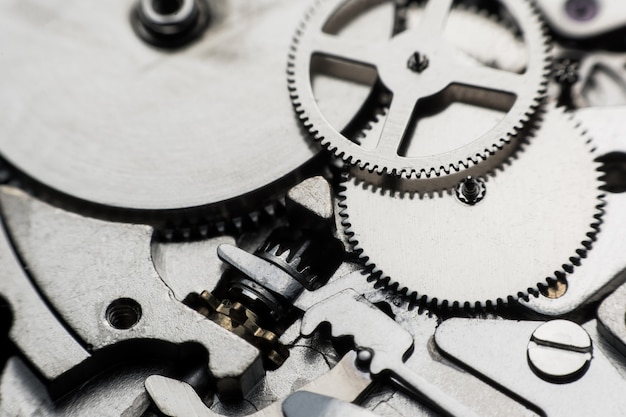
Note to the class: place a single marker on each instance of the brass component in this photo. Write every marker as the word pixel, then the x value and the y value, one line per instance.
pixel 555 289
pixel 243 322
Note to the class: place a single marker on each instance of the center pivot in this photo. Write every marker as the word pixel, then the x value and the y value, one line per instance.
pixel 417 62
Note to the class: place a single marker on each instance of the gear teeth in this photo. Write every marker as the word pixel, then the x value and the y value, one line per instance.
pixel 290 258
pixel 193 228
pixel 424 301
pixel 419 173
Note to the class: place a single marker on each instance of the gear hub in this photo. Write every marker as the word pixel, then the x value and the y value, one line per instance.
pixel 448 75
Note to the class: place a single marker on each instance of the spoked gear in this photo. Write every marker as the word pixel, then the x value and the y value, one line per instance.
pixel 422 70
pixel 538 217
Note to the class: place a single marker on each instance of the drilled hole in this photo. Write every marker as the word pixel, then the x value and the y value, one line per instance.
pixel 123 313
pixel 166 7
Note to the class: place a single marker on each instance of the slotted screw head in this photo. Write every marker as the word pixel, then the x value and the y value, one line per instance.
pixel 560 351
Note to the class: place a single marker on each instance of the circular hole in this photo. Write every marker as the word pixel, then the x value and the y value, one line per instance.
pixel 123 313
pixel 166 7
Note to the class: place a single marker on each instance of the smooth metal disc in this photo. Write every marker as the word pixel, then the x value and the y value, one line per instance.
pixel 90 110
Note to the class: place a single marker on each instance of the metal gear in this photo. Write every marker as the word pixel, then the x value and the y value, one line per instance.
pixel 539 216
pixel 446 75
pixel 243 322
pixel 91 112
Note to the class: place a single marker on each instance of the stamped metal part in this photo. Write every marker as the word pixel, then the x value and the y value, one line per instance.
pixel 612 318
pixel 497 350
pixel 104 285
pixel 475 394
pixel 187 267
pixel 116 392
pixel 143 137
pixel 312 201
pixel 371 331
pixel 22 394
pixel 305 404
pixel 36 331
pixel 177 399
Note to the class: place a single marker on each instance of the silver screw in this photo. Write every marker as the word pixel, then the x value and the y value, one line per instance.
pixel 560 351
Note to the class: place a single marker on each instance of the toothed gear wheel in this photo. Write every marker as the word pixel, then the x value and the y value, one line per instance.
pixel 290 260
pixel 94 115
pixel 309 258
pixel 538 218
pixel 422 67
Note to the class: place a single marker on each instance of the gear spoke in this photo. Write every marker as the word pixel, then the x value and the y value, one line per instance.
pixel 489 79
pixel 435 17
pixel 345 49
pixel 399 17
pixel 418 65
pixel 397 122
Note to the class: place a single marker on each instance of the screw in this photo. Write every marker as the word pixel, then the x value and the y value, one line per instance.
pixel 560 351
pixel 471 191
pixel 417 62
pixel 582 10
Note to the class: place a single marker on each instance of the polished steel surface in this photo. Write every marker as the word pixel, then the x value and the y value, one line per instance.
pixel 496 349
pixel 392 208
pixel 542 191
pixel 91 111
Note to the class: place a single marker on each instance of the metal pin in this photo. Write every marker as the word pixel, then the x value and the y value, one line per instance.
pixel 417 62
pixel 471 190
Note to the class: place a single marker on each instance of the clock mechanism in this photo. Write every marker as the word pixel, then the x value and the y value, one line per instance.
pixel 312 208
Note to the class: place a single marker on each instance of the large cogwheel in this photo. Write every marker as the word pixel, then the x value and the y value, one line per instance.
pixel 91 112
pixel 533 219
pixel 422 67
